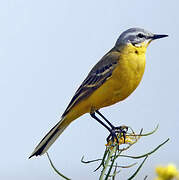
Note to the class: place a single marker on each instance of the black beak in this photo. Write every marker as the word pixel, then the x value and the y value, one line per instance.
pixel 158 36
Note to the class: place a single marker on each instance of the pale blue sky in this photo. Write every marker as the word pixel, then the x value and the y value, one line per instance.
pixel 46 50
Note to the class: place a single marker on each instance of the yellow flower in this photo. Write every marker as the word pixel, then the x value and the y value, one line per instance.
pixel 129 139
pixel 167 172
pixel 158 178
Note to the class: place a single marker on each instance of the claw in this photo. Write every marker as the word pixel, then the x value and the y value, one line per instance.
pixel 121 130
pixel 112 136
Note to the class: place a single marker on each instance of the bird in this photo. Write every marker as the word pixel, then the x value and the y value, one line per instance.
pixel 115 76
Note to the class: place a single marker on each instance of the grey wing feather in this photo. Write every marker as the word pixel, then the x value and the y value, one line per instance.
pixel 96 77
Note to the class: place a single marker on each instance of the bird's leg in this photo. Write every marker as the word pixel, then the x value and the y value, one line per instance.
pixel 122 130
pixel 111 130
pixel 112 126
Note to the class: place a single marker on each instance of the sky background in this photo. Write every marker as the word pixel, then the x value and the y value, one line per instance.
pixel 46 50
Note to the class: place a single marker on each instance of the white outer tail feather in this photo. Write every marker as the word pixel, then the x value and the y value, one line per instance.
pixel 49 139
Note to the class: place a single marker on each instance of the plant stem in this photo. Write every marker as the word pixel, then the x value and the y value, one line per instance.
pixel 110 154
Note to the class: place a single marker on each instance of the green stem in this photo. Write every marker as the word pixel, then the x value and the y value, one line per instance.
pixel 110 154
pixel 111 166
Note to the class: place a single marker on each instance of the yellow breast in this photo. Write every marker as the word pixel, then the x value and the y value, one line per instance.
pixel 129 72
pixel 125 78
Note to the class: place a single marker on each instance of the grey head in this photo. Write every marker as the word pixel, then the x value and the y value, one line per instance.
pixel 136 36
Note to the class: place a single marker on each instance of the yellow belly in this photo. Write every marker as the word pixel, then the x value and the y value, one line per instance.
pixel 125 79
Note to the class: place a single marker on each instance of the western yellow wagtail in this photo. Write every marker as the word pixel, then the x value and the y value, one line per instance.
pixel 111 80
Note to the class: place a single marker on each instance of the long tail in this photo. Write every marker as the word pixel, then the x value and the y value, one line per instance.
pixel 50 138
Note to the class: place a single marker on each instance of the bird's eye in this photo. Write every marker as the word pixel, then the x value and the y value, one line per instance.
pixel 140 35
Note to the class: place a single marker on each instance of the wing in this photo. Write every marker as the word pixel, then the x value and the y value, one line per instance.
pixel 96 77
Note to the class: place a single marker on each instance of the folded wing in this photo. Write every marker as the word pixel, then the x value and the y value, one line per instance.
pixel 96 77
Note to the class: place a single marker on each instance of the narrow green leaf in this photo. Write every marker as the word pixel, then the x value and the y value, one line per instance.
pixel 147 134
pixel 147 154
pixel 138 169
pixel 86 162
pixel 60 174
pixel 103 160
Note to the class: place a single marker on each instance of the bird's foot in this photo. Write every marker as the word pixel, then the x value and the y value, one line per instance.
pixel 116 133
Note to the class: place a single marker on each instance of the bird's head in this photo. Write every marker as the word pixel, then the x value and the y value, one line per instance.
pixel 137 37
